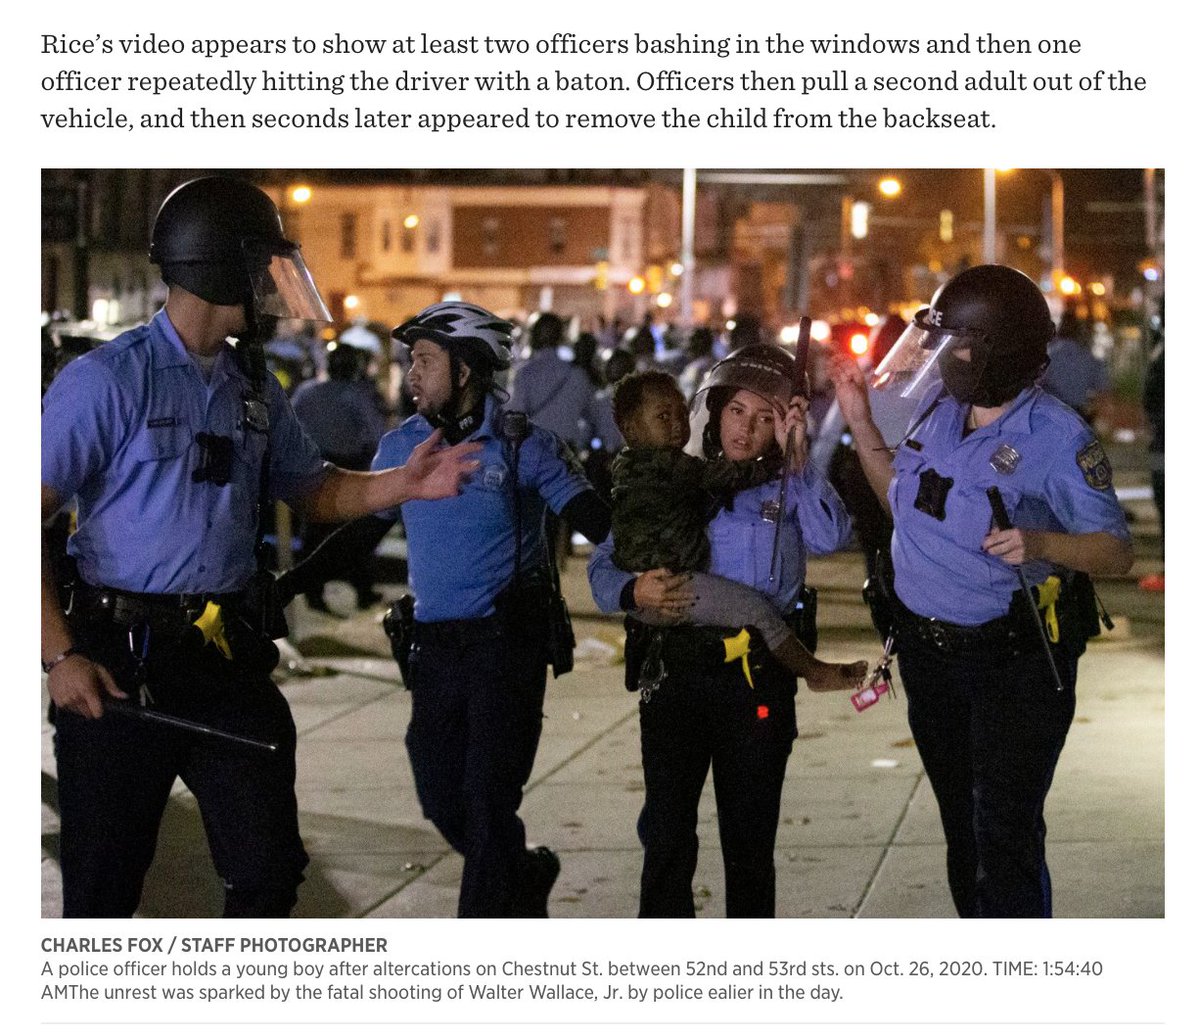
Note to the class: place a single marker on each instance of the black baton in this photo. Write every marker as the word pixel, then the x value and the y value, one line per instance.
pixel 1000 517
pixel 124 708
pixel 799 388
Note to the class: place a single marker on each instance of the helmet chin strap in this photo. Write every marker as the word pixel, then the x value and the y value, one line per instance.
pixel 251 356
pixel 253 331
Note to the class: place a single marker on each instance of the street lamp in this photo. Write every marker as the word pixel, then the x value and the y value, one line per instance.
pixel 989 215
pixel 294 197
pixel 687 259
pixel 1057 210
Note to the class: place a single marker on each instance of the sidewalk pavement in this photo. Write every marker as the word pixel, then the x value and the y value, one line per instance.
pixel 859 834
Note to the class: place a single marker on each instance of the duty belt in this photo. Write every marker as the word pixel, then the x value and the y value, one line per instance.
pixel 687 647
pixel 532 587
pixel 457 631
pixel 164 611
pixel 1000 634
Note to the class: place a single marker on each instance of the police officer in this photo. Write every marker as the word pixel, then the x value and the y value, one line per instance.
pixel 712 704
pixel 478 566
pixel 983 705
pixel 170 440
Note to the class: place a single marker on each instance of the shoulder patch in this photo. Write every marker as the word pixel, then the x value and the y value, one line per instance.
pixel 1095 465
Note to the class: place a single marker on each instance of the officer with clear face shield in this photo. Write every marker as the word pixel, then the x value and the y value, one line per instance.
pixel 711 698
pixel 996 487
pixel 174 443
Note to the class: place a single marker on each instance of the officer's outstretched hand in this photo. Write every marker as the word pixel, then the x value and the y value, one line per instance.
pixel 77 684
pixel 850 385
pixel 436 473
pixel 1014 546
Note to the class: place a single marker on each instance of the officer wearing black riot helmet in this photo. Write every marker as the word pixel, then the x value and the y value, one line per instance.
pixel 996 486
pixel 479 570
pixel 172 441
pixel 717 699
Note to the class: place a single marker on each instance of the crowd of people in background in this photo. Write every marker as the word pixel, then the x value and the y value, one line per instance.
pixel 348 390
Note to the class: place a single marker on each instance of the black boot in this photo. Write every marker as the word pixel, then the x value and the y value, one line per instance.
pixel 539 871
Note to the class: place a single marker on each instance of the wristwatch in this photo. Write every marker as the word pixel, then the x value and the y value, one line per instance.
pixel 47 666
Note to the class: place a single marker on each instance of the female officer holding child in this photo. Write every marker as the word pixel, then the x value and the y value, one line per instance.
pixel 988 710
pixel 698 709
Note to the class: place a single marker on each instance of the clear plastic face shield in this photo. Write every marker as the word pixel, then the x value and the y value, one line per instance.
pixel 281 283
pixel 911 366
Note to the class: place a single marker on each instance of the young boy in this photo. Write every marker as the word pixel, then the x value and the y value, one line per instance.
pixel 662 500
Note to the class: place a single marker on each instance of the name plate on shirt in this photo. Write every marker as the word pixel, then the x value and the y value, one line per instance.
pixel 769 511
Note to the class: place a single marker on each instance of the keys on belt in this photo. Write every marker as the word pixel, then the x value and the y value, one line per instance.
pixel 147 616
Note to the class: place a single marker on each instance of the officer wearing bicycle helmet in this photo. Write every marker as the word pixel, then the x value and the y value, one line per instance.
pixel 988 711
pixel 478 567
pixel 172 442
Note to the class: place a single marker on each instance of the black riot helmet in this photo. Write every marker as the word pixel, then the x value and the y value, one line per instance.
pixel 997 313
pixel 765 370
pixel 221 238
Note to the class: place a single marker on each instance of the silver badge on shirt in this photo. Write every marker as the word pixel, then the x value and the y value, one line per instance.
pixel 770 511
pixel 256 415
pixel 1005 460
pixel 494 475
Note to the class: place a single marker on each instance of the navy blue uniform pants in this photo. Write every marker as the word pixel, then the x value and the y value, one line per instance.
pixel 989 730
pixel 115 775
pixel 477 698
pixel 706 717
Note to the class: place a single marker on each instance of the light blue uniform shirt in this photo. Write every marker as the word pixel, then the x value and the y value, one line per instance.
pixel 1059 481
pixel 741 541
pixel 461 549
pixel 119 430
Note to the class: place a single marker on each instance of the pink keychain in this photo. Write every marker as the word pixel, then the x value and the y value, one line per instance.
pixel 878 683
